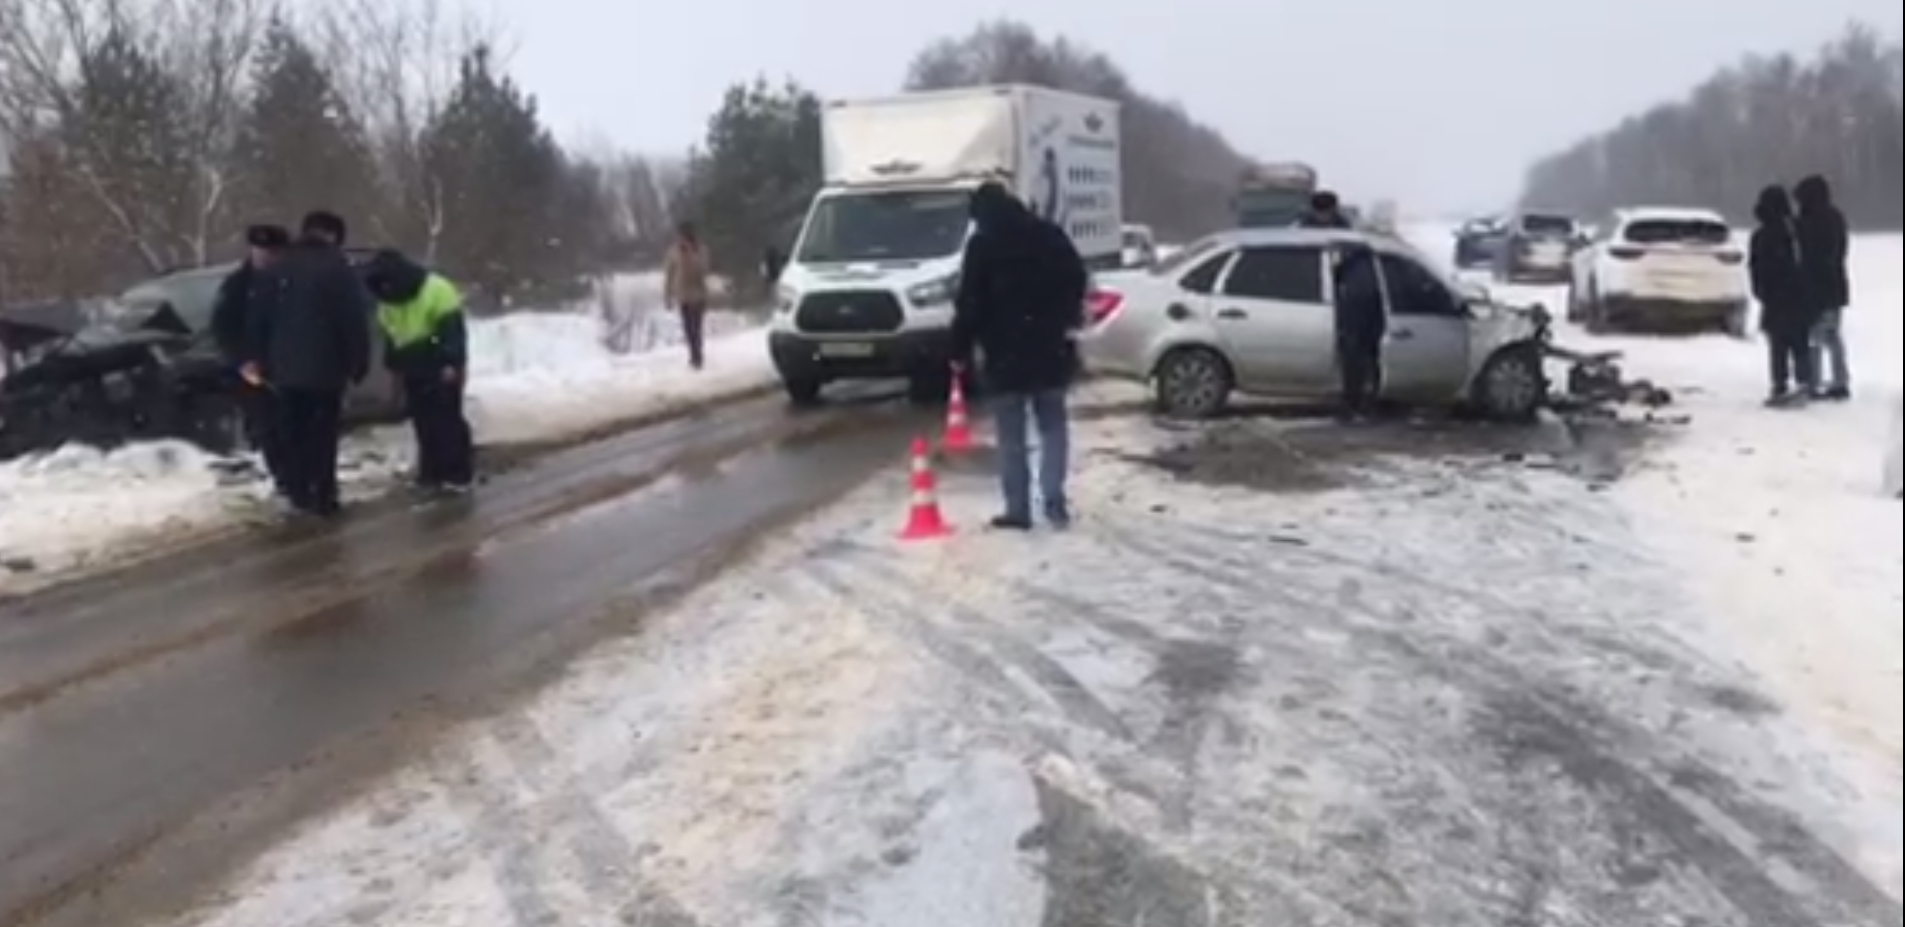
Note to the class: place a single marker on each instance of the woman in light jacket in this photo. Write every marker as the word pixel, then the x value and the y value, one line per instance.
pixel 685 288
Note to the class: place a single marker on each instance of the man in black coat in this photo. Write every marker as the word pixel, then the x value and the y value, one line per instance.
pixel 1822 258
pixel 1779 285
pixel 308 344
pixel 1361 324
pixel 232 308
pixel 1020 304
pixel 1326 212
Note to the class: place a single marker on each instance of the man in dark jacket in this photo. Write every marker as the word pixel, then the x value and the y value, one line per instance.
pixel 1361 323
pixel 1326 212
pixel 426 347
pixel 236 300
pixel 308 344
pixel 1822 259
pixel 1020 303
pixel 1786 314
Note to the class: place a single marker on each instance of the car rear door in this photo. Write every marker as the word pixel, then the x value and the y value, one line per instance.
pixel 1678 260
pixel 1273 313
pixel 1425 356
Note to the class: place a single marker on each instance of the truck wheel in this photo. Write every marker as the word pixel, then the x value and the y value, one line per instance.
pixel 928 389
pixel 1512 386
pixel 1193 383
pixel 802 392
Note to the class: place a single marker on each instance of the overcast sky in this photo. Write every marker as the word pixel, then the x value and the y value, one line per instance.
pixel 1440 105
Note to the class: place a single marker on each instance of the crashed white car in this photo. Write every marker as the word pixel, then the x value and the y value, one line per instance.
pixel 1661 268
pixel 1251 311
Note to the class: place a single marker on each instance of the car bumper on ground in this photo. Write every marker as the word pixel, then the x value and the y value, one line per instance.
pixel 806 358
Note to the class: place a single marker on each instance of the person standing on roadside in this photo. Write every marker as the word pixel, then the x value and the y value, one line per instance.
pixel 309 343
pixel 1021 303
pixel 1361 324
pixel 238 297
pixel 1823 242
pixel 685 288
pixel 426 347
pixel 1779 285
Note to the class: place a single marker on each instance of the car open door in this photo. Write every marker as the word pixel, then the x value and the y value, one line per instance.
pixel 1272 311
pixel 1425 355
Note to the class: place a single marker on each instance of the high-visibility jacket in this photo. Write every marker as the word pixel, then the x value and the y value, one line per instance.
pixel 426 332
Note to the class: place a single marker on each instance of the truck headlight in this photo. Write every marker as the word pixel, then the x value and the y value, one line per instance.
pixel 785 299
pixel 934 292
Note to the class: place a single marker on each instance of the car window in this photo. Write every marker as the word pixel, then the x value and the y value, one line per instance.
pixel 1413 290
pixel 1184 257
pixel 1204 279
pixel 1547 225
pixel 1689 231
pixel 1286 274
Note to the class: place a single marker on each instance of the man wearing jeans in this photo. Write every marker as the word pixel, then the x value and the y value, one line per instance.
pixel 1021 302
pixel 1822 261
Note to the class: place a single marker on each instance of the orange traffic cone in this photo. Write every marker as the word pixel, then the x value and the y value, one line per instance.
pixel 958 439
pixel 924 520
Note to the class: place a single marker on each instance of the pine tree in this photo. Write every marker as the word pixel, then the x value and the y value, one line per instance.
pixel 125 138
pixel 299 146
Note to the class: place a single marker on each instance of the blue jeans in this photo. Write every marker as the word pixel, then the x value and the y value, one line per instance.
pixel 1046 411
pixel 1828 339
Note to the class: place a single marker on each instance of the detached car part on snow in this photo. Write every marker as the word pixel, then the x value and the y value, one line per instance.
pixel 69 382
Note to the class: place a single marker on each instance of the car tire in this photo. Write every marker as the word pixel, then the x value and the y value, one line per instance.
pixel 802 391
pixel 1576 312
pixel 1513 386
pixel 1738 323
pixel 1594 314
pixel 1192 383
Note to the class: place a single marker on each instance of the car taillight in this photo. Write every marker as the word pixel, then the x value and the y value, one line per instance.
pixel 1625 254
pixel 1730 257
pixel 1101 305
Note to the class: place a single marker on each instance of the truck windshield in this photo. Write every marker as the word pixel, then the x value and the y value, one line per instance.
pixel 1271 208
pixel 886 225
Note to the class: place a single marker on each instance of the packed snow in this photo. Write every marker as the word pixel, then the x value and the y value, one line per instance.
pixel 535 376
pixel 1431 689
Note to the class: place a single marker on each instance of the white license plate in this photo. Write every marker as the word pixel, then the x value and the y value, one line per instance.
pixel 846 349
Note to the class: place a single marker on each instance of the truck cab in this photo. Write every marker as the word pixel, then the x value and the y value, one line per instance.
pixel 869 285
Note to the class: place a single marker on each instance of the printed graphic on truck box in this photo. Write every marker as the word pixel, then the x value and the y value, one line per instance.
pixel 1071 145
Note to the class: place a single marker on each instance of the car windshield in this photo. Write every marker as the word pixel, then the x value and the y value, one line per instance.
pixel 1550 226
pixel 1271 208
pixel 1677 232
pixel 890 225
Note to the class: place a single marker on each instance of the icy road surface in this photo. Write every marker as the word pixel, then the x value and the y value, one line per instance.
pixel 1336 688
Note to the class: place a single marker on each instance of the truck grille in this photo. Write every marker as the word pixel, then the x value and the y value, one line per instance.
pixel 849 313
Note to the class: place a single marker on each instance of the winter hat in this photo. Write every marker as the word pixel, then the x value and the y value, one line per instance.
pixel 327 224
pixel 267 237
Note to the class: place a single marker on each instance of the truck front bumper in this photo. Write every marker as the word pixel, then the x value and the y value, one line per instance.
pixel 806 359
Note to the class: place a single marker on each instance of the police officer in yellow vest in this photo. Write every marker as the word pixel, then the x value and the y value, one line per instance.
pixel 426 347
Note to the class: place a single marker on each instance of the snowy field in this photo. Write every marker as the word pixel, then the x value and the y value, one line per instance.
pixel 539 376
pixel 1389 688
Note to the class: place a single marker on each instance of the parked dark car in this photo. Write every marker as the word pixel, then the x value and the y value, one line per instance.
pixel 1478 242
pixel 1538 247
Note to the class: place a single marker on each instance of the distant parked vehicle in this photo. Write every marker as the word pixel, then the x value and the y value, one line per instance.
pixel 1478 242
pixel 1140 246
pixel 1250 311
pixel 1662 269
pixel 1537 248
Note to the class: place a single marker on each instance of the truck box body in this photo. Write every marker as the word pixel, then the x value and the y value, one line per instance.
pixel 1060 151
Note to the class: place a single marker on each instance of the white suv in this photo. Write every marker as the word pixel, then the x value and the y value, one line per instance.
pixel 1662 269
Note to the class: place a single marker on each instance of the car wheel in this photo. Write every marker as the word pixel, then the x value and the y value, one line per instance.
pixel 1575 313
pixel 1739 322
pixel 1513 386
pixel 802 392
pixel 1193 383
pixel 1594 314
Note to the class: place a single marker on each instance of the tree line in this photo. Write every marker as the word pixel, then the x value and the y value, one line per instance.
pixel 1765 120
pixel 138 136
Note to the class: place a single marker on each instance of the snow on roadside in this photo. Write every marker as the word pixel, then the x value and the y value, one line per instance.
pixel 1780 522
pixel 1202 698
pixel 536 376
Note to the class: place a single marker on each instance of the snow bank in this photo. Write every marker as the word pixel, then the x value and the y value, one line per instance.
pixel 1895 460
pixel 535 376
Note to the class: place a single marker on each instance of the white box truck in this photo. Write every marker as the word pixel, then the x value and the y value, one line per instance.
pixel 868 289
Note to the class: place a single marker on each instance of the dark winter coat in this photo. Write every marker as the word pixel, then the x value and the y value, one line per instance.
pixel 1822 246
pixel 311 330
pixel 1360 318
pixel 1773 265
pixel 1332 219
pixel 1021 297
pixel 421 316
pixel 231 312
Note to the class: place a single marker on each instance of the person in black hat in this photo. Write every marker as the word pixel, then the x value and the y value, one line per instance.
pixel 309 343
pixel 237 299
pixel 1326 212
